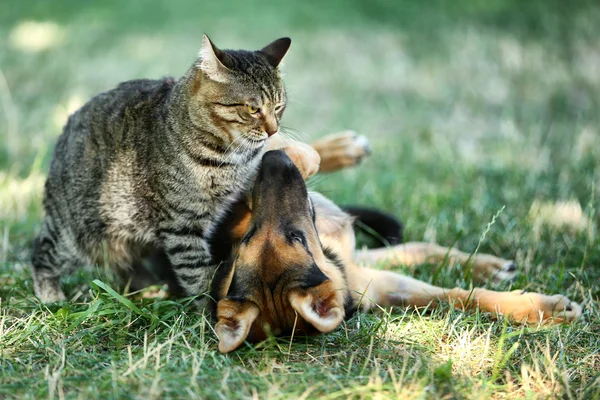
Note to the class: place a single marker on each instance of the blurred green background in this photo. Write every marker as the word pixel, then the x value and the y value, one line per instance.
pixel 481 79
pixel 472 107
pixel 468 104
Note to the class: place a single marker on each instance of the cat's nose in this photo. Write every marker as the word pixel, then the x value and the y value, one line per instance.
pixel 271 126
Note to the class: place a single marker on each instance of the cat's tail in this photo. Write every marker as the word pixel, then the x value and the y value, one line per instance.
pixel 382 226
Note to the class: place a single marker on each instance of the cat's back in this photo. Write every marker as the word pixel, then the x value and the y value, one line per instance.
pixel 94 158
pixel 105 112
pixel 95 136
pixel 109 122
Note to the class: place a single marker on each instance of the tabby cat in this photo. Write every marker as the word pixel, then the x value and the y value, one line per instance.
pixel 155 164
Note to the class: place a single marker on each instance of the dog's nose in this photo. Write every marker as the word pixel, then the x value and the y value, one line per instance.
pixel 279 193
pixel 278 182
pixel 277 160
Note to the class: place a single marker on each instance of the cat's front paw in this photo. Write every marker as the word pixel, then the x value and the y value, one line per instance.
pixel 340 150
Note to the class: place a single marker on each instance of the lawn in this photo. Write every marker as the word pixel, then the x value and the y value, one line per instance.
pixel 473 109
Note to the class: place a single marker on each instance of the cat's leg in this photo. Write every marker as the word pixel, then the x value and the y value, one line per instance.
pixel 486 267
pixel 371 288
pixel 54 254
pixel 189 254
pixel 340 150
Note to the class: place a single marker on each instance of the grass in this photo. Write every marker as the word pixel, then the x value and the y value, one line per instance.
pixel 470 106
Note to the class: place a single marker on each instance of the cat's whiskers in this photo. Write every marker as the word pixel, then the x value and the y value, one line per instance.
pixel 296 101
pixel 244 140
pixel 285 136
pixel 245 148
pixel 246 151
pixel 228 155
pixel 290 135
pixel 286 140
pixel 233 152
pixel 298 133
pixel 244 145
pixel 249 148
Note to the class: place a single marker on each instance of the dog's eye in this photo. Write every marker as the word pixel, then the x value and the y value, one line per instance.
pixel 298 237
pixel 249 234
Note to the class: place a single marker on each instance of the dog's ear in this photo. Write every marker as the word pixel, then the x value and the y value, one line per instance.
pixel 319 306
pixel 235 319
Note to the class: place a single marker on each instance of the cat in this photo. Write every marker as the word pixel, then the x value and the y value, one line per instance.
pixel 155 164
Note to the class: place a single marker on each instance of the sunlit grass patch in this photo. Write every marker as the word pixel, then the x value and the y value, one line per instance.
pixel 35 36
pixel 562 214
pixel 20 197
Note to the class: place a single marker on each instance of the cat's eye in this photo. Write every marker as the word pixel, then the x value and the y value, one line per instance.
pixel 252 109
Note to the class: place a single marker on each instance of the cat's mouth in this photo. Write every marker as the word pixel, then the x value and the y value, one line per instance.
pixel 257 137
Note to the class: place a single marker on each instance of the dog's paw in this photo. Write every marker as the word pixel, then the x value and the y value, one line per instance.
pixel 340 150
pixel 496 270
pixel 533 308
pixel 304 157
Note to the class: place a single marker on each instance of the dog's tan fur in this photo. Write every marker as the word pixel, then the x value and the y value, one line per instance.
pixel 288 308
pixel 386 289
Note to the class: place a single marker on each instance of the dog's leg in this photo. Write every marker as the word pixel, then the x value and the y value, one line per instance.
pixel 485 266
pixel 340 150
pixel 372 288
pixel 304 156
pixel 331 153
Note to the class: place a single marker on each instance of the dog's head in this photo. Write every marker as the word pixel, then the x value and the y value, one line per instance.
pixel 280 281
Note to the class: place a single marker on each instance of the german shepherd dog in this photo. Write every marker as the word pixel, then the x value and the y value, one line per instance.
pixel 292 266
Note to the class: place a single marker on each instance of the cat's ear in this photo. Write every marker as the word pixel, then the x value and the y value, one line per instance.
pixel 275 51
pixel 319 306
pixel 235 319
pixel 211 61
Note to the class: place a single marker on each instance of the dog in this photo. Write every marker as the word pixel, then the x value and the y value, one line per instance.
pixel 291 266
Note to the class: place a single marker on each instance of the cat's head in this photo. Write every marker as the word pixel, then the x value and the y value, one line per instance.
pixel 239 94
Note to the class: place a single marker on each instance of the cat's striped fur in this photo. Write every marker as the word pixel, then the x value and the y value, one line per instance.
pixel 154 164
